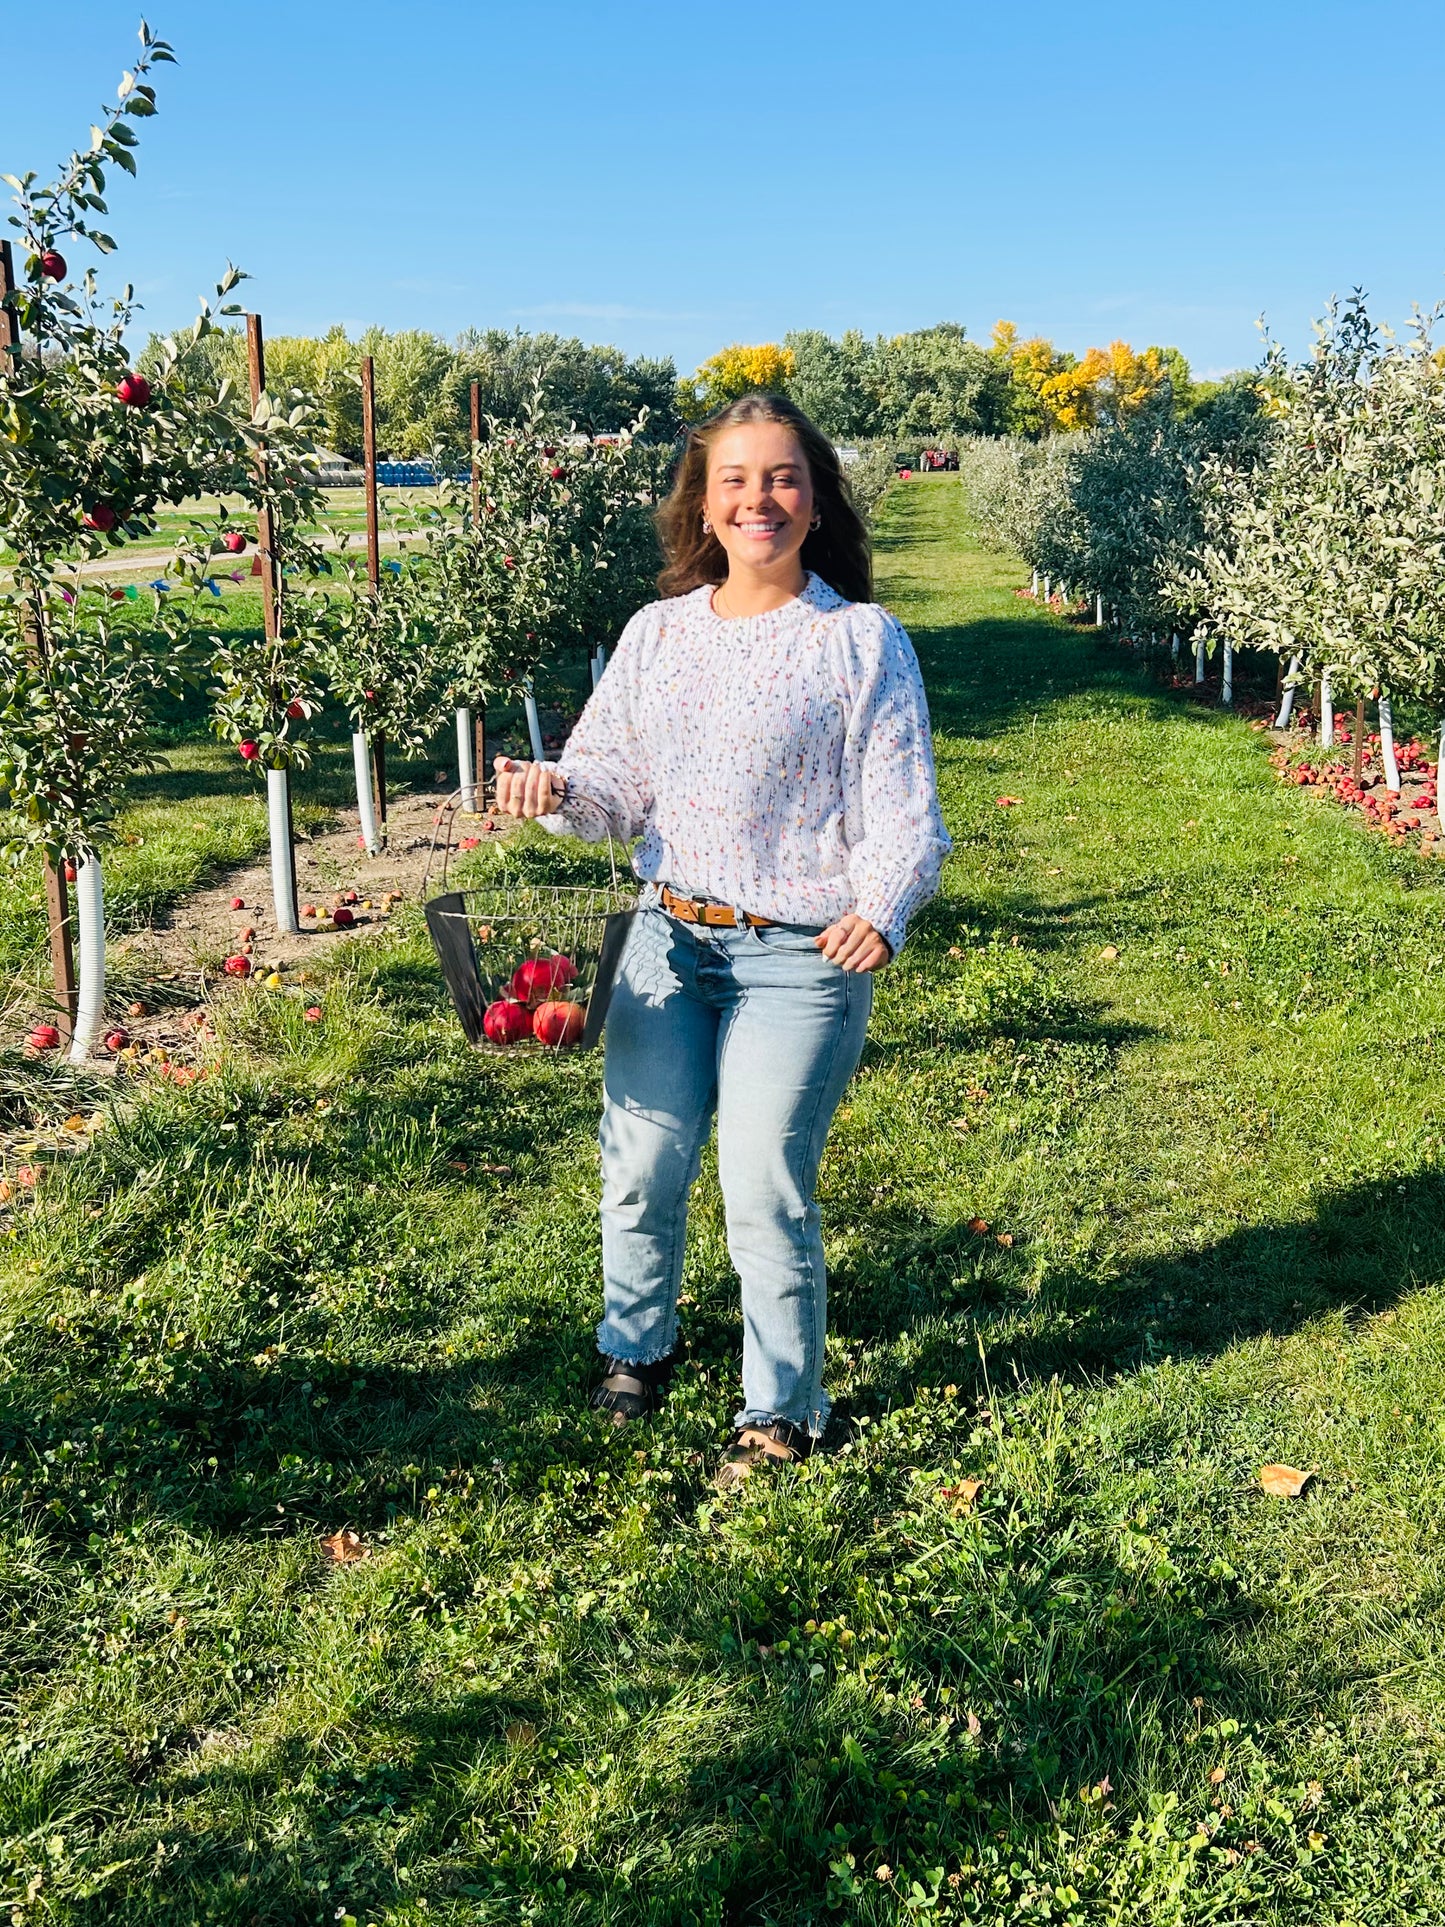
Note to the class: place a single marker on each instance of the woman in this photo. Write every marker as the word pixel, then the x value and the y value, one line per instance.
pixel 763 731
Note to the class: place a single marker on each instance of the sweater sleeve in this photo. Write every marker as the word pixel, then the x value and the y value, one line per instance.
pixel 893 824
pixel 605 763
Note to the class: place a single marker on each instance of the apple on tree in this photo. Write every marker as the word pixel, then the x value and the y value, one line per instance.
pixel 134 390
pixel 234 542
pixel 53 265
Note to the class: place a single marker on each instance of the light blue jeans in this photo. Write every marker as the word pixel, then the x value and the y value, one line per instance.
pixel 761 1028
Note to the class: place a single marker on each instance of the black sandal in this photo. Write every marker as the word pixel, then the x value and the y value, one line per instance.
pixel 629 1392
pixel 781 1443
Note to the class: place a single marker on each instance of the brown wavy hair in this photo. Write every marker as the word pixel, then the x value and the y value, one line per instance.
pixel 837 550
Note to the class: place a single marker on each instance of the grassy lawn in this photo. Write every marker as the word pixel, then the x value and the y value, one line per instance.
pixel 350 1281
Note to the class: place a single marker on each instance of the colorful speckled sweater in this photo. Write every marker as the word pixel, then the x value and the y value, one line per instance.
pixel 779 763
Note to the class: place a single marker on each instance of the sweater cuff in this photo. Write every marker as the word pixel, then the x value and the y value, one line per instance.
pixel 579 816
pixel 888 912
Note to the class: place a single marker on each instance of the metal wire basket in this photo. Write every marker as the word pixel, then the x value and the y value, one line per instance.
pixel 531 966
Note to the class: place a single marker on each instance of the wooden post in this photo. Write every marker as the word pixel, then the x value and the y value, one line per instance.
pixel 283 859
pixel 265 534
pixel 57 897
pixel 373 555
pixel 1359 739
pixel 480 713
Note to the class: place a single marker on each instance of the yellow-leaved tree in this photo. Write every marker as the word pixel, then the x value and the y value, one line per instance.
pixel 1108 384
pixel 733 371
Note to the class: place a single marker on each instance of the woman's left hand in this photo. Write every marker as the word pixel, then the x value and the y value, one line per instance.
pixel 854 944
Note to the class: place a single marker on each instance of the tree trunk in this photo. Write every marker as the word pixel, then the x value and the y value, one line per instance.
pixel 1387 745
pixel 90 928
pixel 365 800
pixel 466 760
pixel 1286 701
pixel 283 855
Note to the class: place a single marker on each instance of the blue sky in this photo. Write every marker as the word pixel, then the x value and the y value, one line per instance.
pixel 671 177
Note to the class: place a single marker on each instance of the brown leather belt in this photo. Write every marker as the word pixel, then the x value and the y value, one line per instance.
pixel 719 916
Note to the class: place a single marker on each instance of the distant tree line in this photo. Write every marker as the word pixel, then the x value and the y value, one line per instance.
pixel 934 384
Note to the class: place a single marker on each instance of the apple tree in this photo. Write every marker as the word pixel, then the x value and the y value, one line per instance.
pixel 89 450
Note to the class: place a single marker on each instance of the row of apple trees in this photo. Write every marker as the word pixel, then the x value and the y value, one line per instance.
pixel 545 547
pixel 1301 512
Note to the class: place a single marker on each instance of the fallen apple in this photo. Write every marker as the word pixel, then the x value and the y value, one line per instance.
pixel 238 903
pixel 117 1039
pixel 343 918
pixel 45 1037
pixel 507 1022
pixel 313 1014
pixel 134 390
pixel 559 1024
pixel 308 910
pixel 237 966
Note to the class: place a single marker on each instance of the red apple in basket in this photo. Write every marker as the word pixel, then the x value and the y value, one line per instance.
pixel 506 1022
pixel 559 1024
pixel 540 977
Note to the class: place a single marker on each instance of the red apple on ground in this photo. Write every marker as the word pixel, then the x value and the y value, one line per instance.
pixel 237 966
pixel 134 390
pixel 234 541
pixel 116 1039
pixel 559 1024
pixel 343 918
pixel 101 518
pixel 238 903
pixel 538 978
pixel 313 1014
pixel 308 910
pixel 53 265
pixel 507 1022
pixel 45 1037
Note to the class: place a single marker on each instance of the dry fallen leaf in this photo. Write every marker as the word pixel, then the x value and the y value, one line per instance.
pixel 1284 1481
pixel 521 1733
pixel 962 1495
pixel 1109 954
pixel 1006 1238
pixel 979 1227
pixel 1217 1776
pixel 345 1546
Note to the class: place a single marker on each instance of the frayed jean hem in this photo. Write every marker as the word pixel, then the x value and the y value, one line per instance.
pixel 628 1354
pixel 815 1423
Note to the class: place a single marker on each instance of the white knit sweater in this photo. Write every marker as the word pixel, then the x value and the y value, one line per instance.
pixel 779 763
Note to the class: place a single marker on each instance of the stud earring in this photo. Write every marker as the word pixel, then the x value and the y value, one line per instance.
pixel 816 523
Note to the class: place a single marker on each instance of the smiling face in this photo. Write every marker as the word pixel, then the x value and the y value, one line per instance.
pixel 760 498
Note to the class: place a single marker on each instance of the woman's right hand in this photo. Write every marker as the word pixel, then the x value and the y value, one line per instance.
pixel 528 789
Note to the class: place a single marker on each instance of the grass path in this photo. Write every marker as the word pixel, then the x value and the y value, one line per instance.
pixel 350 1281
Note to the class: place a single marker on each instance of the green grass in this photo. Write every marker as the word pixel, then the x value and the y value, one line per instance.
pixel 572 1685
